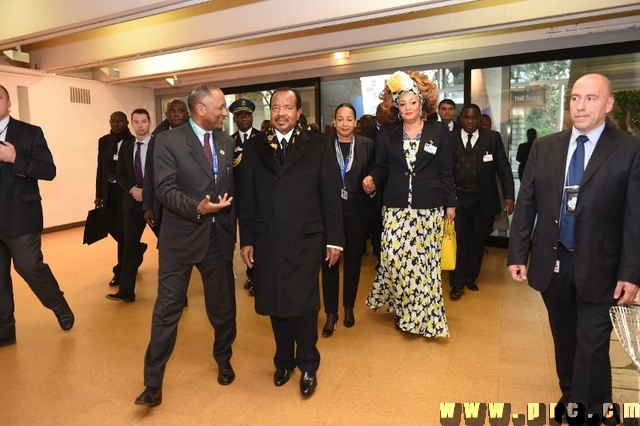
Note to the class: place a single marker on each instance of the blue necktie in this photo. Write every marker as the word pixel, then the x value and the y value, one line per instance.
pixel 574 177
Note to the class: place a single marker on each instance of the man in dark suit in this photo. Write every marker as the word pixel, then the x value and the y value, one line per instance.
pixel 194 182
pixel 130 176
pixel 583 237
pixel 108 193
pixel 176 115
pixel 290 220
pixel 242 110
pixel 24 158
pixel 478 154
pixel 446 112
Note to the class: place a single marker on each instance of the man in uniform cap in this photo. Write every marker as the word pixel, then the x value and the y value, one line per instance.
pixel 242 110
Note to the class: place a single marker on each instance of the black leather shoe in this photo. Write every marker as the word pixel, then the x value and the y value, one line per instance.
pixel 248 284
pixel 120 296
pixel 330 326
pixel 114 281
pixel 65 316
pixel 251 293
pixel 186 302
pixel 349 319
pixel 308 383
pixel 8 341
pixel 473 286
pixel 225 373
pixel 151 397
pixel 281 376
pixel 456 293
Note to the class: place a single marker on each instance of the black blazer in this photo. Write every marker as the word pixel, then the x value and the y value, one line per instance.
pixel 489 142
pixel 20 200
pixel 432 177
pixel 606 233
pixel 126 175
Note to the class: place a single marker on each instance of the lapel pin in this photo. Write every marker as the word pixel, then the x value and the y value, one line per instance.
pixel 221 152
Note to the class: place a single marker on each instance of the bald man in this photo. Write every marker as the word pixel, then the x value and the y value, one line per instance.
pixel 578 214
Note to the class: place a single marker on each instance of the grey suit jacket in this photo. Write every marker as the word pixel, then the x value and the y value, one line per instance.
pixel 183 178
pixel 606 233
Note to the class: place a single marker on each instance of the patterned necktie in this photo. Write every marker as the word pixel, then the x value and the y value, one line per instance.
pixel 207 149
pixel 574 177
pixel 469 147
pixel 138 165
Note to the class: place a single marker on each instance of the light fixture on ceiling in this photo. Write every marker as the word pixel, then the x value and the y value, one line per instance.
pixel 174 81
pixel 17 55
pixel 341 55
pixel 111 71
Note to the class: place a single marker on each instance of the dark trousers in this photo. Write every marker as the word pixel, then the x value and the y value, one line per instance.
pixel 220 304
pixel 581 333
pixel 471 226
pixel 355 236
pixel 134 225
pixel 26 253
pixel 296 339
pixel 114 218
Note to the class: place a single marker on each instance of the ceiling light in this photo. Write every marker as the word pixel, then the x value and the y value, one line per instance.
pixel 17 55
pixel 174 81
pixel 111 71
pixel 341 55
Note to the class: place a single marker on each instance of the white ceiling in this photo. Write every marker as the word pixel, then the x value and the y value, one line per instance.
pixel 255 41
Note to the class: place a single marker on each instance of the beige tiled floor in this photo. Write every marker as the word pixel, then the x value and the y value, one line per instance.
pixel 499 351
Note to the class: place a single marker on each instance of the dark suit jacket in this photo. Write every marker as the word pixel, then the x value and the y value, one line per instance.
pixel 432 176
pixel 183 178
pixel 126 175
pixel 102 172
pixel 364 158
pixel 149 200
pixel 288 213
pixel 606 233
pixel 20 200
pixel 489 142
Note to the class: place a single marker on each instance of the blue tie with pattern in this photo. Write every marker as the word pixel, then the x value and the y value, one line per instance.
pixel 574 177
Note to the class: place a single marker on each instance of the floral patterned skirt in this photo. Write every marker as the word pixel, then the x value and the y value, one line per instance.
pixel 409 279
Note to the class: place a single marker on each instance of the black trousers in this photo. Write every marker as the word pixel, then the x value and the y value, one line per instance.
pixel 355 236
pixel 296 339
pixel 134 225
pixel 26 253
pixel 581 332
pixel 220 304
pixel 471 226
pixel 114 218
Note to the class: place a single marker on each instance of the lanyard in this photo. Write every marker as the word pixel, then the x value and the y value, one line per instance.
pixel 214 151
pixel 345 163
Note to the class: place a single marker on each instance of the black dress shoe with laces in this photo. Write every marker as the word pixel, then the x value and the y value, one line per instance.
pixel 456 293
pixel 281 376
pixel 150 397
pixel 65 316
pixel 473 286
pixel 225 373
pixel 114 281
pixel 308 383
pixel 121 296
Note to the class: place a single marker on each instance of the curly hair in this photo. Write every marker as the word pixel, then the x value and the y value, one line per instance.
pixel 389 111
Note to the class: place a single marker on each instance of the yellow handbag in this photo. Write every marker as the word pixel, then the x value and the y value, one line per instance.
pixel 448 261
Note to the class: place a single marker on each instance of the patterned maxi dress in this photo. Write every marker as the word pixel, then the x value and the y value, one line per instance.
pixel 408 279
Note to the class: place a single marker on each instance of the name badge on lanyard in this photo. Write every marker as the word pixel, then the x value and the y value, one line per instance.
pixel 345 165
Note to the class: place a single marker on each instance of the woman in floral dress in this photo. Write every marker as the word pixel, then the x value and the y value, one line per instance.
pixel 414 166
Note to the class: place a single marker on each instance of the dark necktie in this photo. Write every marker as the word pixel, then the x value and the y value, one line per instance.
pixel 574 177
pixel 469 147
pixel 283 150
pixel 245 137
pixel 138 165
pixel 207 150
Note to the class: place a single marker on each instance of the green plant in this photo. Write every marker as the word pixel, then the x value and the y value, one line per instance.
pixel 626 110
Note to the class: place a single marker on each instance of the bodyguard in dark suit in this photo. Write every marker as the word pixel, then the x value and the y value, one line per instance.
pixel 478 154
pixel 108 193
pixel 130 176
pixel 24 158
pixel 290 220
pixel 583 237
pixel 194 183
pixel 176 115
pixel 242 110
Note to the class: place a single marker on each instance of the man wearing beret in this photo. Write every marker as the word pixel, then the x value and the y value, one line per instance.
pixel 242 110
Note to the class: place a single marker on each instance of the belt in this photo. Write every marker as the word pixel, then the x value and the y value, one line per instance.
pixel 566 248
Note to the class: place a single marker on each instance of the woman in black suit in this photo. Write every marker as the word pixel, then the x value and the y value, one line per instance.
pixel 354 154
pixel 414 164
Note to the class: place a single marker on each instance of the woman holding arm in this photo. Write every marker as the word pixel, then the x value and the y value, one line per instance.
pixel 414 164
pixel 354 154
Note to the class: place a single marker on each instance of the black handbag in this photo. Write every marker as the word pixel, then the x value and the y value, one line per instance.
pixel 95 228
